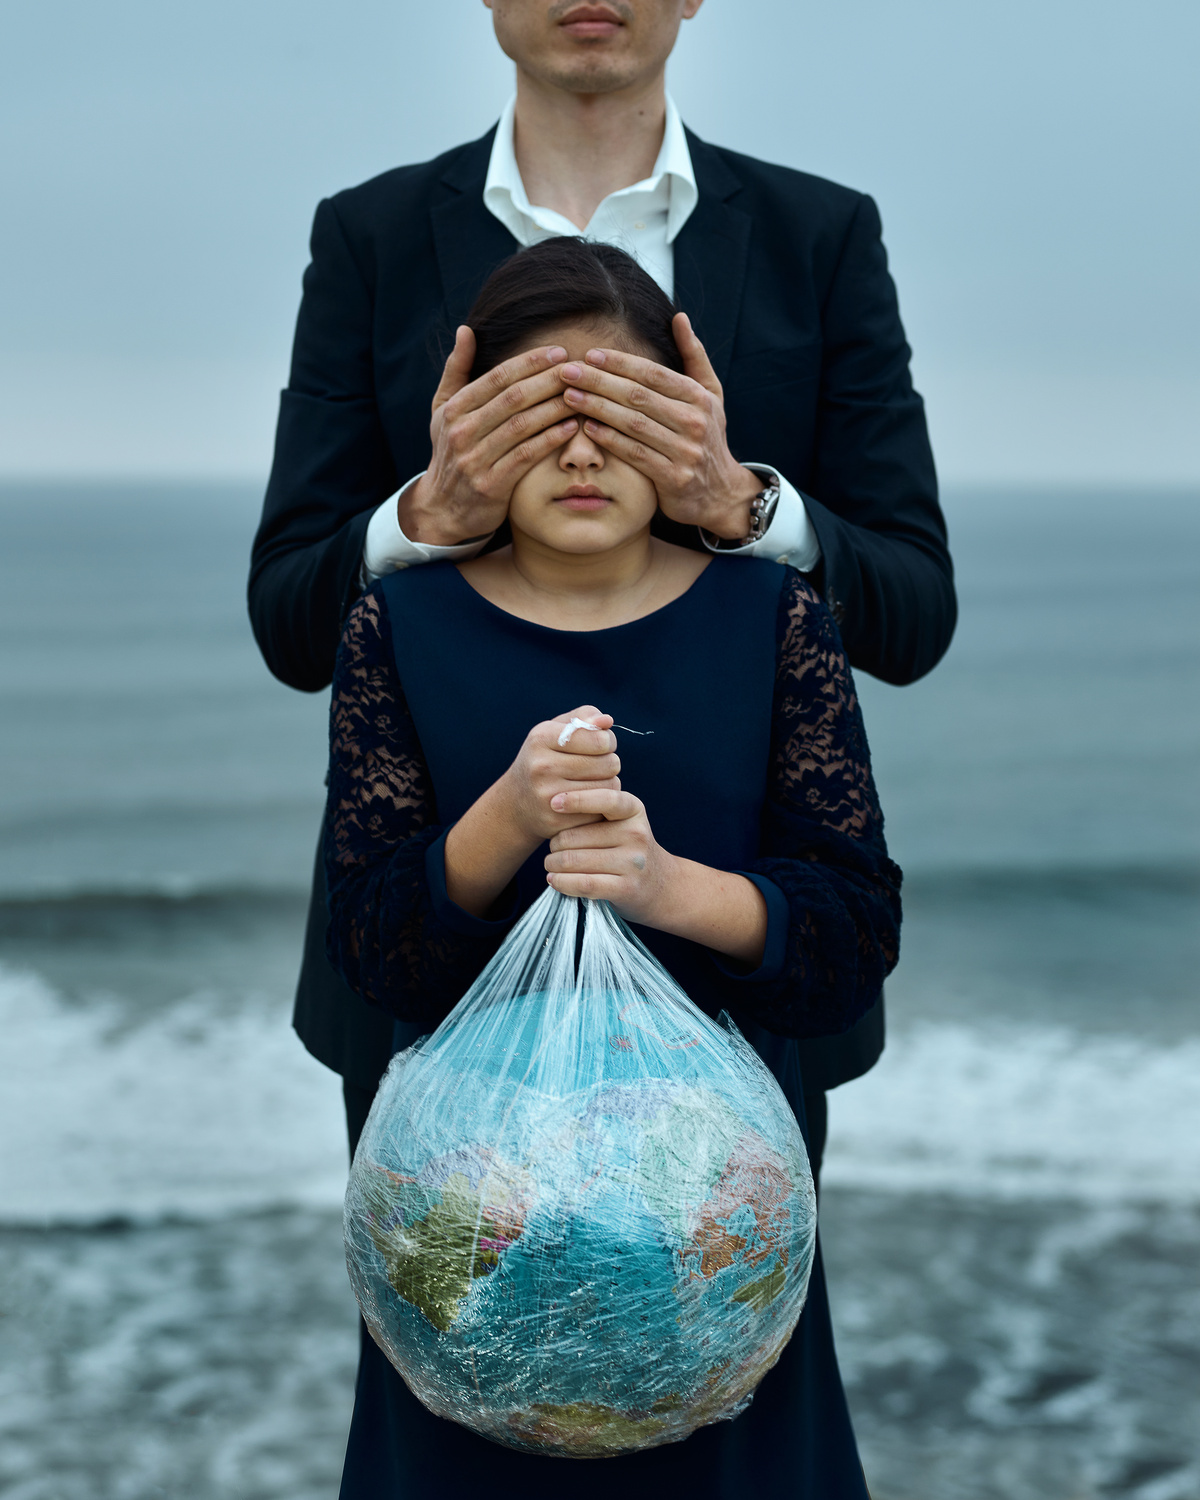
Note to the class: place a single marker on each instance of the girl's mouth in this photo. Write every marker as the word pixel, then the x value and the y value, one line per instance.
pixel 583 497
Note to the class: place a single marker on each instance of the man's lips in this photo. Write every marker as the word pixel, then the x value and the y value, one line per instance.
pixel 591 21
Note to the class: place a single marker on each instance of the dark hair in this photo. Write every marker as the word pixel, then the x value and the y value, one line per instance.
pixel 569 280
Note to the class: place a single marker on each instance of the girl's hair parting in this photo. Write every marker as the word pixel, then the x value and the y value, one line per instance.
pixel 569 280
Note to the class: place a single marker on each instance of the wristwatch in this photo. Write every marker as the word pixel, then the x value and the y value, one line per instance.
pixel 762 512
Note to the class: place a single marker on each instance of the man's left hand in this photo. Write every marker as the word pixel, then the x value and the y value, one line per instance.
pixel 670 427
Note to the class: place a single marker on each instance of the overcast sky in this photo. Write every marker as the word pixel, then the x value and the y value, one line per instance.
pixel 1036 162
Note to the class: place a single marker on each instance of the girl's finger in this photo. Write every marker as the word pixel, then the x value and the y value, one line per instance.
pixel 594 741
pixel 620 860
pixel 588 768
pixel 615 806
pixel 601 835
pixel 591 887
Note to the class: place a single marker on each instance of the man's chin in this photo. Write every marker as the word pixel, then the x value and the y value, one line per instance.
pixel 590 75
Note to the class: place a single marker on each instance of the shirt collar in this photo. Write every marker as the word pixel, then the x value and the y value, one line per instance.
pixel 504 189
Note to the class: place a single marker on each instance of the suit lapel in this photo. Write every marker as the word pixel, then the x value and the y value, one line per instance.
pixel 470 242
pixel 711 251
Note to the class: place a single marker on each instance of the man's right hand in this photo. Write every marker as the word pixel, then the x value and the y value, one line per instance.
pixel 486 435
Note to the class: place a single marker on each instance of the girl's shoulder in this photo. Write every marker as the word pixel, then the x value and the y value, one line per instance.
pixel 415 587
pixel 761 579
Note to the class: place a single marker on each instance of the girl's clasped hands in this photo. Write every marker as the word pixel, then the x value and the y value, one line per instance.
pixel 601 842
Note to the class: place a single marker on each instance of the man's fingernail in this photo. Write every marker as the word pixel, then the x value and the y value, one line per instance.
pixel 556 354
pixel 571 372
pixel 559 802
pixel 595 356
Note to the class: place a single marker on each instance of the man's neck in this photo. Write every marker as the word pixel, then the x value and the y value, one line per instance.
pixel 575 149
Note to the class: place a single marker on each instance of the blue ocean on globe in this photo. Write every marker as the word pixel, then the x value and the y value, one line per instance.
pixel 581 1223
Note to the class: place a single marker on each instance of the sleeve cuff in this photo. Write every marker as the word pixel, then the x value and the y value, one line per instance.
pixel 386 549
pixel 789 538
pixel 774 949
pixel 455 917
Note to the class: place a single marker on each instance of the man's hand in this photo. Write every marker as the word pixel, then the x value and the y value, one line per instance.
pixel 670 427
pixel 486 435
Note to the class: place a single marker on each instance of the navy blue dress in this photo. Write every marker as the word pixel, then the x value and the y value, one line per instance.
pixel 434 691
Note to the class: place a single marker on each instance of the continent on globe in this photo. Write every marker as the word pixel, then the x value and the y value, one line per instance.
pixel 751 1196
pixel 439 1231
pixel 584 1429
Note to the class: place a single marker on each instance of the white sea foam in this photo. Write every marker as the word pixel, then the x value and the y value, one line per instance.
pixel 193 1114
pixel 200 1114
pixel 1027 1112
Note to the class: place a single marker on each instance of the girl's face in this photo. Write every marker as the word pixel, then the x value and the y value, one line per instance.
pixel 581 499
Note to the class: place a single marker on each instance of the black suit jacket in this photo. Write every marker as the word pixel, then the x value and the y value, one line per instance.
pixel 785 279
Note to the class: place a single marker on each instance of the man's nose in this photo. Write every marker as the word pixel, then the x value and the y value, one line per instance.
pixel 581 453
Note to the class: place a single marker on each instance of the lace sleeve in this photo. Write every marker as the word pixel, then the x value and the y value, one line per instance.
pixel 384 935
pixel 822 839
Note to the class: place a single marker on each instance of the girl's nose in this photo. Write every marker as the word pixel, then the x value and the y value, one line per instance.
pixel 580 453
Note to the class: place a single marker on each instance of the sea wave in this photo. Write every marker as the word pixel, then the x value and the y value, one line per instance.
pixel 34 912
pixel 197 1113
pixel 194 1113
pixel 1033 1112
pixel 941 883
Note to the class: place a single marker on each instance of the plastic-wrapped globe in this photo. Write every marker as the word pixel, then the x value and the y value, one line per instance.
pixel 581 1219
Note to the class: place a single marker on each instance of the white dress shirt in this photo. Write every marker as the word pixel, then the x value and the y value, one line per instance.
pixel 644 220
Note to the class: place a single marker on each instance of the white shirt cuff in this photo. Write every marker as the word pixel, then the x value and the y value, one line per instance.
pixel 789 538
pixel 386 549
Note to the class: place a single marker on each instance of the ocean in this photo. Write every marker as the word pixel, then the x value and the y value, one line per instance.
pixel 1011 1205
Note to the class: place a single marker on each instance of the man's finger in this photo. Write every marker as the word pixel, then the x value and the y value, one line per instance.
pixel 457 372
pixel 668 411
pixel 491 446
pixel 645 371
pixel 648 461
pixel 517 462
pixel 495 383
pixel 635 423
pixel 696 362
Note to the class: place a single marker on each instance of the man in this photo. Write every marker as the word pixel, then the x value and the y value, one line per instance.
pixel 795 433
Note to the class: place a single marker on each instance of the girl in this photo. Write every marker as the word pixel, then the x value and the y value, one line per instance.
pixel 741 836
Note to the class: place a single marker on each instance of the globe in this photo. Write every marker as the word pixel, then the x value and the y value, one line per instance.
pixel 582 1271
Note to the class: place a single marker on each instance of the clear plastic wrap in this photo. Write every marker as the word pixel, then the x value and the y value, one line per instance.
pixel 580 1220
